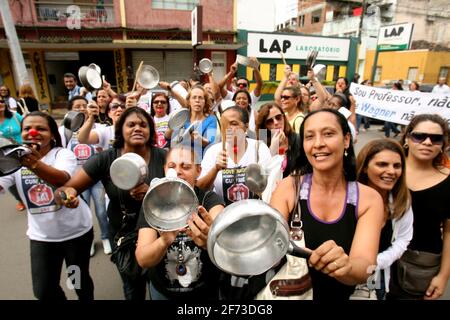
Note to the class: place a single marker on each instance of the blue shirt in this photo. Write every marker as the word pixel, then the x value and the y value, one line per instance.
pixel 10 128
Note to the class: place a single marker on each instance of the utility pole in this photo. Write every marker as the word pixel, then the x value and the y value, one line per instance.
pixel 361 21
pixel 13 42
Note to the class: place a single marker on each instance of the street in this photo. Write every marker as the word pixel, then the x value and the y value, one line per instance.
pixel 15 270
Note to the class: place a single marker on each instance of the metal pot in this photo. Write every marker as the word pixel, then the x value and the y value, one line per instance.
pixel 178 118
pixel 73 120
pixel 249 237
pixel 9 159
pixel 320 71
pixel 148 77
pixel 246 61
pixel 128 171
pixel 311 58
pixel 205 65
pixel 90 78
pixel 255 178
pixel 168 204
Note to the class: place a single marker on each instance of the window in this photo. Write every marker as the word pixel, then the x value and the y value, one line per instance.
pixel 175 4
pixel 315 16
pixel 301 21
pixel 378 74
pixel 412 73
pixel 443 72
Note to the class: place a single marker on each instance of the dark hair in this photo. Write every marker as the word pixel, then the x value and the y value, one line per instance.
pixel 302 164
pixel 74 98
pixel 397 85
pixel 70 75
pixel 243 115
pixel 159 94
pixel 119 141
pixel 416 84
pixel 345 80
pixel 400 191
pixel 249 109
pixel 8 113
pixel 242 78
pixel 194 155
pixel 51 124
pixel 263 114
pixel 442 156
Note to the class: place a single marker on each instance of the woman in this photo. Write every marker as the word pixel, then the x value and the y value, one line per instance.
pixel 224 164
pixel 291 102
pixel 160 251
pixel 243 99
pixel 424 143
pixel 343 86
pixel 134 132
pixel 27 100
pixel 10 129
pixel 6 96
pixel 159 112
pixel 341 218
pixel 381 166
pixel 280 137
pixel 414 86
pixel 57 234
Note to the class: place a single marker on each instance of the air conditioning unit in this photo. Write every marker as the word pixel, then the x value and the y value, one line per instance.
pixel 431 18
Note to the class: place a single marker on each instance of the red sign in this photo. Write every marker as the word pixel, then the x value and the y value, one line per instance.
pixel 238 192
pixel 40 195
pixel 82 151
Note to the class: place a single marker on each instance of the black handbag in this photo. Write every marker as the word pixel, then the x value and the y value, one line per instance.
pixel 123 255
pixel 416 269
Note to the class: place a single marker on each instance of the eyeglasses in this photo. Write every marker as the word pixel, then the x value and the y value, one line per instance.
pixel 285 97
pixel 159 102
pixel 419 137
pixel 270 121
pixel 115 106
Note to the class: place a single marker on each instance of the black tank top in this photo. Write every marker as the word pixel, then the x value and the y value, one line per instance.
pixel 318 231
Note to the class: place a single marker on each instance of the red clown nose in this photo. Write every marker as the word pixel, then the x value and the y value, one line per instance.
pixel 33 132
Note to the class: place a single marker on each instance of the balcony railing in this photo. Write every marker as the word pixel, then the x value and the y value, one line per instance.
pixel 59 12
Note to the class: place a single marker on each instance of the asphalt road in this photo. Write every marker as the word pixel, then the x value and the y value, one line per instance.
pixel 15 271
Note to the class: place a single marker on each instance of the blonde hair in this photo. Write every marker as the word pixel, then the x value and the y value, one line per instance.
pixel 26 91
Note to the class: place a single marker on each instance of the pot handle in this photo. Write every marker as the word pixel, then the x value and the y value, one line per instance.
pixel 299 252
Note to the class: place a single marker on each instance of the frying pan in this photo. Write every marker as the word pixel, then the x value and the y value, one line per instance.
pixel 178 118
pixel 148 77
pixel 168 203
pixel 90 77
pixel 249 237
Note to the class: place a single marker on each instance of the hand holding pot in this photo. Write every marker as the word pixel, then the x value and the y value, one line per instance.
pixel 330 259
pixel 138 192
pixel 199 224
pixel 93 109
pixel 168 237
pixel 31 160
pixel 278 139
pixel 67 197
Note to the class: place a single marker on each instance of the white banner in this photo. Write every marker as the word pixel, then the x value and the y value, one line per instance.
pixel 398 106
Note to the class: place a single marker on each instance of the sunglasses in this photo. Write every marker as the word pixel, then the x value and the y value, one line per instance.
pixel 270 121
pixel 419 137
pixel 285 97
pixel 115 106
pixel 159 102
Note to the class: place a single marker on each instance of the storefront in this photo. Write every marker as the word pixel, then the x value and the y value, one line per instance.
pixel 338 54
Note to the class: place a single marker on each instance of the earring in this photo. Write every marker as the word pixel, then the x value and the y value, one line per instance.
pixel 345 153
pixel 406 146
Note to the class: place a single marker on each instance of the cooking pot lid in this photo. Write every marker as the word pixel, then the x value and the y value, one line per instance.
pixel 128 171
pixel 148 77
pixel 73 120
pixel 178 118
pixel 205 65
pixel 248 238
pixel 168 204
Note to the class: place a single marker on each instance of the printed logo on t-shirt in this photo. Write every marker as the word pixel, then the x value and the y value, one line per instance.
pixel 82 151
pixel 233 183
pixel 38 194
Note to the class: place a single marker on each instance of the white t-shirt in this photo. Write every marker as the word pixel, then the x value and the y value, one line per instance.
pixel 444 89
pixel 105 136
pixel 48 221
pixel 161 126
pixel 232 179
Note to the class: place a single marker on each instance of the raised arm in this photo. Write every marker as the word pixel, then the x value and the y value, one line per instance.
pixel 226 78
pixel 282 84
pixel 86 135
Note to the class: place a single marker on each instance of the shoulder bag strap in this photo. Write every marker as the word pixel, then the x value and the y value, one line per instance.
pixel 296 222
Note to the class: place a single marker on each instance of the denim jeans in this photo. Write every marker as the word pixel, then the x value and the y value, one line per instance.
pixel 97 192
pixel 388 126
pixel 154 293
pixel 46 263
pixel 359 119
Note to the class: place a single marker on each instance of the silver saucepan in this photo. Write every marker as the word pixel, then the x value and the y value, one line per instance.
pixel 90 77
pixel 128 171
pixel 168 204
pixel 73 120
pixel 249 237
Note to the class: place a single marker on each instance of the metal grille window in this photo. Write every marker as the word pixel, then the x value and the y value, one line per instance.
pixel 273 72
pixel 175 4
